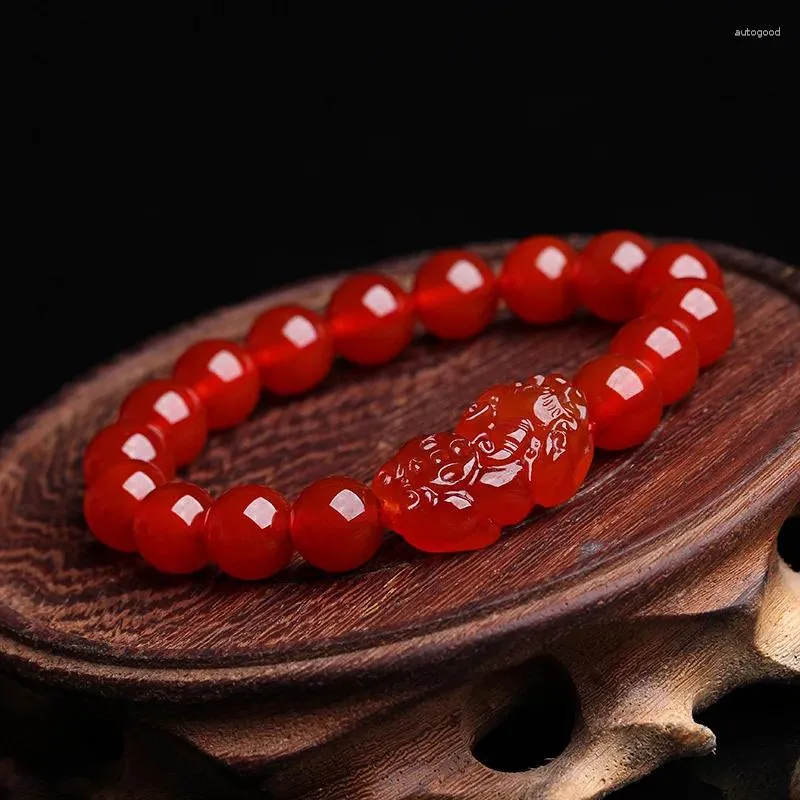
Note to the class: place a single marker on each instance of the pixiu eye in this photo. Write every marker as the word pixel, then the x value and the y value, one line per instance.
pixel 486 445
pixel 438 457
pixel 457 448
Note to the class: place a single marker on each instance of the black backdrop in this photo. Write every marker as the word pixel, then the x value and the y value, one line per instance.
pixel 169 157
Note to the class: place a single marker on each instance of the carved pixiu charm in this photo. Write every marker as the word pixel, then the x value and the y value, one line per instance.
pixel 518 445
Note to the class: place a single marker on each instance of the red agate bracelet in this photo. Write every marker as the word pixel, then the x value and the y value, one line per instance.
pixel 516 447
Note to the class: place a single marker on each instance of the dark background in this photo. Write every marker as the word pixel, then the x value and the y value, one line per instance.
pixel 169 157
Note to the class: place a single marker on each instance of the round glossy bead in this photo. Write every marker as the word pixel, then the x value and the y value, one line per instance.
pixel 666 348
pixel 293 349
pixel 247 532
pixel 336 524
pixel 123 441
pixel 110 503
pixel 606 274
pixel 225 378
pixel 174 410
pixel 704 310
pixel 623 398
pixel 536 280
pixel 455 294
pixel 168 528
pixel 671 262
pixel 372 319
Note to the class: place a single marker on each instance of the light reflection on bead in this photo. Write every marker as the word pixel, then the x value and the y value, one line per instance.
pixel 662 341
pixel 628 257
pixel 347 504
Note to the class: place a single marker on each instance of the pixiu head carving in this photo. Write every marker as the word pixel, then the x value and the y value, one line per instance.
pixel 427 495
pixel 500 426
pixel 530 437
pixel 433 469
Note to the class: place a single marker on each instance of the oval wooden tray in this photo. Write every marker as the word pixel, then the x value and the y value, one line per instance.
pixel 681 528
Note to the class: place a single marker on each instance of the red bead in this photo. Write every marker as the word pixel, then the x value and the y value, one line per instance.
pixel 666 348
pixel 292 348
pixel 123 441
pixel 336 524
pixel 427 495
pixel 704 310
pixel 536 280
pixel 623 398
pixel 110 503
pixel 169 528
pixel 675 262
pixel 225 378
pixel 174 410
pixel 372 319
pixel 455 294
pixel 607 272
pixel 247 532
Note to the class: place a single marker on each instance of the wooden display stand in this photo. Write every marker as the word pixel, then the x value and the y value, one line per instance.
pixel 653 592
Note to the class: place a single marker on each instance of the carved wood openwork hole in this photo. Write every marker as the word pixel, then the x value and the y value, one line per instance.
pixel 789 541
pixel 524 718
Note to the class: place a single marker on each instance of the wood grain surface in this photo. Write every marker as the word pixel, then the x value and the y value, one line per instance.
pixel 75 613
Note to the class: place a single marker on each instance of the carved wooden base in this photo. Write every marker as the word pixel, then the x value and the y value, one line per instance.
pixel 626 722
pixel 637 682
pixel 600 627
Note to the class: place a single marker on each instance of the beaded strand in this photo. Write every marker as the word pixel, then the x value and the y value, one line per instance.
pixel 677 318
